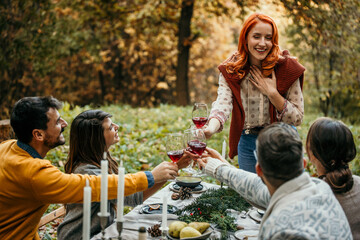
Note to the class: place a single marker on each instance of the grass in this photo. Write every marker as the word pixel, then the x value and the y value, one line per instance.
pixel 142 134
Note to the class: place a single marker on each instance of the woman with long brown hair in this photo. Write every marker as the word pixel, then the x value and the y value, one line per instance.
pixel 92 133
pixel 330 146
pixel 259 84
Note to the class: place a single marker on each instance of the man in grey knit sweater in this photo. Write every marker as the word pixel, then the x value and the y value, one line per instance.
pixel 297 206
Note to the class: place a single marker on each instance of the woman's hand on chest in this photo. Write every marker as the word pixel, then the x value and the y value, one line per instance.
pixel 266 86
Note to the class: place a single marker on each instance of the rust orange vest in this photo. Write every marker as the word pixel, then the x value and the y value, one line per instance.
pixel 287 71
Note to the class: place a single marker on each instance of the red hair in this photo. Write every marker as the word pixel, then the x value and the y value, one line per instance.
pixel 239 61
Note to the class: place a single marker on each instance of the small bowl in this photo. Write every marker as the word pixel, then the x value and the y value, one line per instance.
pixel 261 212
pixel 188 181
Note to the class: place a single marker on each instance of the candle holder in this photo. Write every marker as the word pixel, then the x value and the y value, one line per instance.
pixel 164 231
pixel 103 223
pixel 119 226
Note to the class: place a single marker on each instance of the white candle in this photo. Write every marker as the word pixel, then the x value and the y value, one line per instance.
pixel 104 187
pixel 86 211
pixel 120 195
pixel 164 213
pixel 223 153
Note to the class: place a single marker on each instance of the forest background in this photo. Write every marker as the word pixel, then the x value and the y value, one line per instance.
pixel 147 53
pixel 138 59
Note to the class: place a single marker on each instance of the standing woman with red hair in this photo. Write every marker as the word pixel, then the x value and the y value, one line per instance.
pixel 259 84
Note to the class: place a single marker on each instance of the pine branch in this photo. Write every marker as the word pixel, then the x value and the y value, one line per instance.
pixel 212 207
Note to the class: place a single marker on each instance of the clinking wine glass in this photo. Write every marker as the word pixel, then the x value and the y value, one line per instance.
pixel 196 142
pixel 175 146
pixel 200 114
pixel 189 169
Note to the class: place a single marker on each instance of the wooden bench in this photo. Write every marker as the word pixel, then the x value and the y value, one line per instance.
pixel 6 131
pixel 52 216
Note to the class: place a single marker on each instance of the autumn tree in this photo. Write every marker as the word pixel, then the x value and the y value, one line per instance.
pixel 184 43
pixel 327 34
pixel 29 47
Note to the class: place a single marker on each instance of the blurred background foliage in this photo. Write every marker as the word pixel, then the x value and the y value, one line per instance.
pixel 88 51
pixel 326 37
pixel 121 51
pixel 143 130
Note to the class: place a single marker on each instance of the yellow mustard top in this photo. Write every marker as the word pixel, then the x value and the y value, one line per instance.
pixel 28 185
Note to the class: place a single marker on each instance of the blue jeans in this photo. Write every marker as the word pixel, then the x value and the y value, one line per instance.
pixel 246 147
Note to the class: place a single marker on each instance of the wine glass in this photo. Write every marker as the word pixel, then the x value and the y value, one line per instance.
pixel 196 143
pixel 189 169
pixel 200 114
pixel 175 146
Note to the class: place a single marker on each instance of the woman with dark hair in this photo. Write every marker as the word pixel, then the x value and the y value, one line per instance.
pixel 92 133
pixel 330 147
pixel 259 84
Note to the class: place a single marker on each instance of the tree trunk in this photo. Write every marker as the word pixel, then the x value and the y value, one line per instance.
pixel 315 58
pixel 184 44
pixel 331 67
pixel 102 86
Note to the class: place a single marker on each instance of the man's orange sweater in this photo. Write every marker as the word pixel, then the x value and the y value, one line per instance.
pixel 28 185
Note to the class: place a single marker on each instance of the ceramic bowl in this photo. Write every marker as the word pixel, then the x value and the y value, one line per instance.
pixel 188 181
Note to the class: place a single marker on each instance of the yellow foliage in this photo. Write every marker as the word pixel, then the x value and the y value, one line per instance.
pixel 162 85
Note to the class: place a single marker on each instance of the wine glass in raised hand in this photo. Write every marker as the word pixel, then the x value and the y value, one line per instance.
pixel 200 114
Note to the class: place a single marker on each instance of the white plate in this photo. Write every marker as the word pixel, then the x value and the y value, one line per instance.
pixel 254 215
pixel 250 234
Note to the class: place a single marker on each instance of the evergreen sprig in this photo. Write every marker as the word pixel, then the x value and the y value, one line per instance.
pixel 212 207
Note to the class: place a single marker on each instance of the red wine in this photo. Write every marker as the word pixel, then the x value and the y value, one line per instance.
pixel 175 155
pixel 197 146
pixel 190 150
pixel 199 121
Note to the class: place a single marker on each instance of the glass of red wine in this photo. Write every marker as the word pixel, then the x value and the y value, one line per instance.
pixel 189 169
pixel 196 144
pixel 200 114
pixel 175 146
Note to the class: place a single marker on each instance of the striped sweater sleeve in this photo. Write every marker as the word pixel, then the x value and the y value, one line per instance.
pixel 247 184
